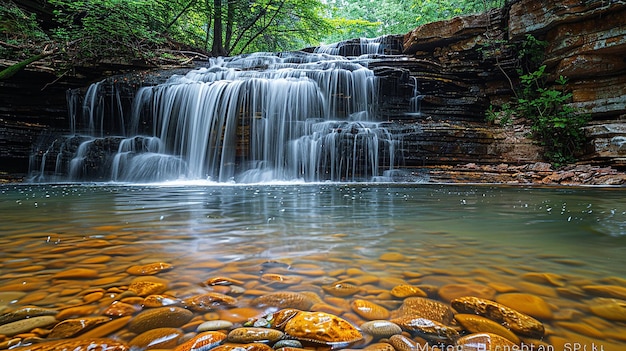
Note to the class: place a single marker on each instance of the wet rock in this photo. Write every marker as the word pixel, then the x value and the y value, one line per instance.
pixel 484 342
pixel 26 312
pixel 159 318
pixel 426 308
pixel 78 345
pixel 285 299
pixel 159 338
pixel 243 347
pixel 317 327
pixel 427 329
pixel 381 329
pixel 402 291
pixel 531 305
pixel 149 269
pixel 369 310
pixel 26 325
pixel 247 335
pixel 209 301
pixel 214 325
pixel 222 281
pixel 341 289
pixel 402 343
pixel 202 341
pixel 120 309
pixel 72 327
pixel 145 287
pixel 152 301
pixel 519 323
pixel 478 324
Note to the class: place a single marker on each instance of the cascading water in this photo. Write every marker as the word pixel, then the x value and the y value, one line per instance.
pixel 251 118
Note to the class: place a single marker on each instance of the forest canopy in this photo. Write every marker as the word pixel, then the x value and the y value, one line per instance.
pixel 157 30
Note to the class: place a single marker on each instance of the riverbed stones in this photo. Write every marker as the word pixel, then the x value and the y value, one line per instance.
pixel 146 287
pixel 517 322
pixel 159 318
pixel 26 312
pixel 531 305
pixel 94 344
pixel 71 327
pixel 479 324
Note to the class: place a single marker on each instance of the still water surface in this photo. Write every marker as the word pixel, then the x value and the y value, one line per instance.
pixel 445 234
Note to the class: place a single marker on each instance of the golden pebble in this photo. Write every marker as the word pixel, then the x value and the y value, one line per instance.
pixel 405 290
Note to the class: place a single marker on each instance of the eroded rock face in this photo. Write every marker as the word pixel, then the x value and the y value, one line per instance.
pixel 586 39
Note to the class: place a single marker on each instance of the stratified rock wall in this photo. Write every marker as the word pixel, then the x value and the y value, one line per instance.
pixel 587 45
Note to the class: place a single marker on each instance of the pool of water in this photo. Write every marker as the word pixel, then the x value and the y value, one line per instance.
pixel 566 246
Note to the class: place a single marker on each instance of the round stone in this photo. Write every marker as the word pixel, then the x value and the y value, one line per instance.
pixel 484 341
pixel 369 310
pixel 531 305
pixel 381 329
pixel 159 338
pixel 161 317
pixel 214 325
pixel 478 324
pixel 71 327
pixel 404 290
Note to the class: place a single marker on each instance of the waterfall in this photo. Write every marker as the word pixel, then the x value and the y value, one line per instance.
pixel 250 118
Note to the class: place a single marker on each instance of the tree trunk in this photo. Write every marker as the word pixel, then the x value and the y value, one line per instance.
pixel 218 46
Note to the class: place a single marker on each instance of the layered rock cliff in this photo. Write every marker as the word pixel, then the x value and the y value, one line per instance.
pixel 586 44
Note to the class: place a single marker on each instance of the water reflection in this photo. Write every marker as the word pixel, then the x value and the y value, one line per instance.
pixel 445 234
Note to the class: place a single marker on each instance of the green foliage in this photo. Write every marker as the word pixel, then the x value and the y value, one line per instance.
pixel 18 32
pixel 554 123
pixel 502 116
pixel 96 30
pixel 365 18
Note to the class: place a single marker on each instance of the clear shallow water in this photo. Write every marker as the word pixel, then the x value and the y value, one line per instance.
pixel 446 234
